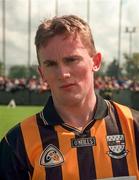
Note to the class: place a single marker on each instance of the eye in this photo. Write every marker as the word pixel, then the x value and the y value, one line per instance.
pixel 73 59
pixel 50 63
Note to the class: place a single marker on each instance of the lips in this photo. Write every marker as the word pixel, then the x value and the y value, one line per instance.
pixel 66 86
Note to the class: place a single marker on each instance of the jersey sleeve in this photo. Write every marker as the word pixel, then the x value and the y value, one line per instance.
pixel 10 166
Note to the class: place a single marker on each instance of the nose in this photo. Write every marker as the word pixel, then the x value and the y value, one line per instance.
pixel 63 72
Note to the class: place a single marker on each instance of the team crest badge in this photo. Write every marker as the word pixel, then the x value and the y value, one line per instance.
pixel 116 144
pixel 51 157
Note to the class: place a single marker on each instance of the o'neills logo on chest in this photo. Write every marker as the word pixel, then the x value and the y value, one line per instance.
pixel 82 142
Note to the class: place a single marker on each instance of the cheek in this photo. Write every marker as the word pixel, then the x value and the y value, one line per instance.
pixel 51 79
pixel 84 72
pixel 46 73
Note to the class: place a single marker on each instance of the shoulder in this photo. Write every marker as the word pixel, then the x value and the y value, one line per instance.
pixel 120 106
pixel 135 115
pixel 126 111
pixel 13 154
pixel 13 142
pixel 11 147
pixel 14 137
pixel 10 141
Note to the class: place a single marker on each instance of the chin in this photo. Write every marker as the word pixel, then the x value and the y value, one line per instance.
pixel 72 99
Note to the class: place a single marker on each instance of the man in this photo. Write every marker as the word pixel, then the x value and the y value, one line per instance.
pixel 78 135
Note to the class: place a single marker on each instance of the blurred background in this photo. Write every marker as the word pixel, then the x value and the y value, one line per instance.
pixel 114 23
pixel 115 28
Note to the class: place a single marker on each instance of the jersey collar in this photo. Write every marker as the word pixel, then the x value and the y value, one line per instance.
pixel 50 116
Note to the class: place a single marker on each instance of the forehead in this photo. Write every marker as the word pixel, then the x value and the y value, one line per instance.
pixel 65 45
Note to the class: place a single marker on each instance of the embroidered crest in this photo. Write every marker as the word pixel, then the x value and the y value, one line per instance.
pixel 116 144
pixel 51 157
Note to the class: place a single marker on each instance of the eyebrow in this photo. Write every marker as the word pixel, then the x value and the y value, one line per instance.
pixel 65 58
pixel 73 56
pixel 48 60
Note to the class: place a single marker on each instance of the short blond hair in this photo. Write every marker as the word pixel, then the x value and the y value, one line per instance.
pixel 68 24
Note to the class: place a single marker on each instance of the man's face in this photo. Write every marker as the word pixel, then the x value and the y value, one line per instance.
pixel 67 67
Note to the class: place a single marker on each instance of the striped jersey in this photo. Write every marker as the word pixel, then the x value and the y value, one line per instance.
pixel 43 147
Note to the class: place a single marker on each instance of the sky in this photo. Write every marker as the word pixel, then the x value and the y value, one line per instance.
pixel 103 20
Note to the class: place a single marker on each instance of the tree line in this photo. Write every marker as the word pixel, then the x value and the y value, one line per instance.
pixel 129 68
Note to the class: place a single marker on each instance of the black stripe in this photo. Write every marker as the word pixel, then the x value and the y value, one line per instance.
pixel 136 129
pixel 114 122
pixel 86 161
pixel 49 136
pixel 135 115
pixel 113 127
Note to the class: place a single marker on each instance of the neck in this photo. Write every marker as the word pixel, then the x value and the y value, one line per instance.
pixel 78 115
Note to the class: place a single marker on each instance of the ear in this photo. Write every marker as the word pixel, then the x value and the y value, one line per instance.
pixel 41 72
pixel 45 86
pixel 96 62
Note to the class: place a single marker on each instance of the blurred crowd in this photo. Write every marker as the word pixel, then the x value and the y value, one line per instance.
pixel 111 83
pixel 12 85
pixel 36 84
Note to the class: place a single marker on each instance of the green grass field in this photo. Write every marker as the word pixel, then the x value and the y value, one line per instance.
pixel 11 116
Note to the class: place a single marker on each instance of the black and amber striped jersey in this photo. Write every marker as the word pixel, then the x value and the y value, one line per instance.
pixel 43 147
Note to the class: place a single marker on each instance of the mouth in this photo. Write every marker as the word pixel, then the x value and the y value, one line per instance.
pixel 67 86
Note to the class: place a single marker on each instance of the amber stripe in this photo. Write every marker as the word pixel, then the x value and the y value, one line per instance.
pixel 70 169
pixel 33 146
pixel 128 130
pixel 102 160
